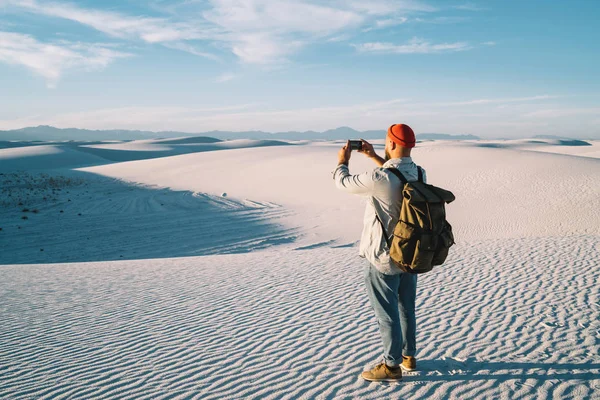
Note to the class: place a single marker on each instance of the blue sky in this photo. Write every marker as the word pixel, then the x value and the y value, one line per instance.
pixel 495 68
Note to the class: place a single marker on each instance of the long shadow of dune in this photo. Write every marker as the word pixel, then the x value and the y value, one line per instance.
pixel 61 156
pixel 174 148
pixel 555 142
pixel 86 154
pixel 9 144
pixel 85 217
pixel 117 155
pixel 190 140
pixel 6 144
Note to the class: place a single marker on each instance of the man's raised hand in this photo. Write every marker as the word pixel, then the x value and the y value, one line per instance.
pixel 344 154
pixel 367 149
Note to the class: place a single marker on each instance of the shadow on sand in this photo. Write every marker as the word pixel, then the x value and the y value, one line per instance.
pixel 444 371
pixel 51 213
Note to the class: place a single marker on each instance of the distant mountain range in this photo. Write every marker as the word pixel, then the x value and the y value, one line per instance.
pixel 50 133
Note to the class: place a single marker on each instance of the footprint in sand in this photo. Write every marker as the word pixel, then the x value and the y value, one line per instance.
pixel 551 324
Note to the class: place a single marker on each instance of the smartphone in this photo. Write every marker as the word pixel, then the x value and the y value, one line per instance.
pixel 355 144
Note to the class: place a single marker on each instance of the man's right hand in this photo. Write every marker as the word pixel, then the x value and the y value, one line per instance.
pixel 367 149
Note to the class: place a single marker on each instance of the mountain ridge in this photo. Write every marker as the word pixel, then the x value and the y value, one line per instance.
pixel 50 133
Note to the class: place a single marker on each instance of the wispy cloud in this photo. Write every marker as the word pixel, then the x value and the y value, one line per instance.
pixel 415 46
pixel 386 23
pixel 387 7
pixel 478 116
pixel 225 77
pixel 147 29
pixel 263 32
pixel 50 60
pixel 469 7
pixel 267 31
pixel 198 119
pixel 153 118
pixel 496 101
pixel 189 48
pixel 442 20
pixel 151 30
pixel 255 31
pixel 563 112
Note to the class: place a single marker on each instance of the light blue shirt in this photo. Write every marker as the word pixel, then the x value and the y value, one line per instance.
pixel 384 199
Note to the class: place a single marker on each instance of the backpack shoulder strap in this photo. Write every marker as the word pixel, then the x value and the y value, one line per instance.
pixel 399 175
pixel 420 174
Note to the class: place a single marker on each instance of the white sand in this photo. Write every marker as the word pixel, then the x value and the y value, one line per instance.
pixel 163 312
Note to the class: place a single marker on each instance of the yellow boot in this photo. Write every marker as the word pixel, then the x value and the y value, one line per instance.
pixel 409 363
pixel 383 373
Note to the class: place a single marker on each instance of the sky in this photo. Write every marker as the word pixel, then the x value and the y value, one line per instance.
pixel 492 68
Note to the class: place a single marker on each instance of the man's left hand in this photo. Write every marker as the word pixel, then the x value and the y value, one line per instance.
pixel 344 154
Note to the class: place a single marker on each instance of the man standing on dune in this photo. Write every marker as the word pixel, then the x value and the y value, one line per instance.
pixel 391 291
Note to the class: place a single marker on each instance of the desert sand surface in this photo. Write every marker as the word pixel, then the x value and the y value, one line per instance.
pixel 175 269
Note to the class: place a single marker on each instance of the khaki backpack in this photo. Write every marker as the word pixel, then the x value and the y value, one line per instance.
pixel 422 236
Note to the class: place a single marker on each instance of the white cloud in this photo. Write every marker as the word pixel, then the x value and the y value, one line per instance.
pixel 387 7
pixel 51 60
pixel 264 32
pixel 151 30
pixel 279 16
pixel 188 48
pixel 563 112
pixel 469 7
pixel 262 48
pixel 198 119
pixel 442 20
pixel 496 101
pixel 384 23
pixel 256 31
pixel 153 118
pixel 339 38
pixel 267 31
pixel 415 46
pixel 172 34
pixel 487 119
pixel 225 77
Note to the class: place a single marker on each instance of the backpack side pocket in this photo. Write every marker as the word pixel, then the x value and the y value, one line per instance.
pixel 404 243
pixel 446 240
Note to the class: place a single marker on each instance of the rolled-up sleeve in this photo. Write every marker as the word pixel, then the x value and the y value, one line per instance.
pixel 356 184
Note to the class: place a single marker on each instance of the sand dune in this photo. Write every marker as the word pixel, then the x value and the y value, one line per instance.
pixel 240 276
pixel 45 157
pixel 592 150
pixel 501 193
pixel 42 156
pixel 149 149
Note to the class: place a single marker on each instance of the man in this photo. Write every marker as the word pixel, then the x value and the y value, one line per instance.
pixel 391 292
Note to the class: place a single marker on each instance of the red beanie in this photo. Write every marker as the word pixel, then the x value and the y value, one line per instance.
pixel 402 135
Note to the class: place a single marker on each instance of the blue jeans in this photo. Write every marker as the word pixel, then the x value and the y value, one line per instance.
pixel 392 298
